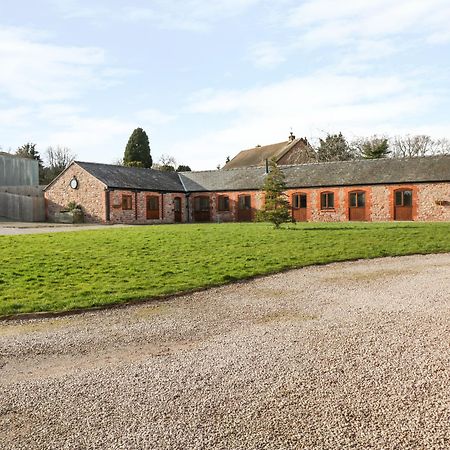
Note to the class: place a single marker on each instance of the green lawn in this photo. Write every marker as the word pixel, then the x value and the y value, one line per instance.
pixel 62 271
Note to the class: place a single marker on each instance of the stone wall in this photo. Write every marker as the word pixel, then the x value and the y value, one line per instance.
pixel 138 212
pixel 431 202
pixel 90 194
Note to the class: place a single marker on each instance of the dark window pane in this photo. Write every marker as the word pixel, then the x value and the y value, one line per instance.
pixel 407 198
pixel 153 203
pixel 361 199
pixel 224 203
pixel 353 200
pixel 244 202
pixel 399 198
pixel 295 201
pixel 323 201
pixel 303 201
pixel 330 200
pixel 127 202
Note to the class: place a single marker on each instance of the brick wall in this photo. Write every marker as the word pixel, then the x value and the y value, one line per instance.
pixel 90 194
pixel 430 202
pixel 139 199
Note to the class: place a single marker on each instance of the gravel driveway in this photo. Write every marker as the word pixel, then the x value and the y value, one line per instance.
pixel 350 355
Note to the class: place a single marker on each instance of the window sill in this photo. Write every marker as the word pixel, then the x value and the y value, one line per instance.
pixel 328 210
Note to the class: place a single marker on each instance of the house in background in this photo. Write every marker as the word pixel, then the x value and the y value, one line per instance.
pixel 292 151
pixel 21 197
pixel 363 190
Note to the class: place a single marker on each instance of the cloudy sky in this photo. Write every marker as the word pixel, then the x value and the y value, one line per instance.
pixel 207 78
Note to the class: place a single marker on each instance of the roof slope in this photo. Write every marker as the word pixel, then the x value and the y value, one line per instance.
pixel 257 156
pixel 114 176
pixel 339 173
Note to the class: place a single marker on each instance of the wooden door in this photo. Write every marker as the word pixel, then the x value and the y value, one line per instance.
pixel 299 204
pixel 245 213
pixel 177 209
pixel 357 206
pixel 201 209
pixel 403 204
pixel 152 207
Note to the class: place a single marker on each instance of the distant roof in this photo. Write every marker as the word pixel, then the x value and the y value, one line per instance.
pixel 257 156
pixel 114 176
pixel 339 173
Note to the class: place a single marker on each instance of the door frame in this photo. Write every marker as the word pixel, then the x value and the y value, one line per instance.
pixel 177 214
pixel 359 211
pixel 246 214
pixel 407 212
pixel 299 214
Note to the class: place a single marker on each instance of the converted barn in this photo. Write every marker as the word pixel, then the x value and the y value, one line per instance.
pixel 363 190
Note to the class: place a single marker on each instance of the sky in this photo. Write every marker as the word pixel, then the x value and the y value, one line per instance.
pixel 207 78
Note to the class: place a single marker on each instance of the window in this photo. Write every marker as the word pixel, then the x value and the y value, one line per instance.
pixel 224 203
pixel 127 201
pixel 327 200
pixel 245 202
pixel 357 199
pixel 403 198
pixel 201 204
pixel 299 201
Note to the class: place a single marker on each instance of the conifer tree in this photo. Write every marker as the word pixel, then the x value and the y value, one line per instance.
pixel 137 151
pixel 276 208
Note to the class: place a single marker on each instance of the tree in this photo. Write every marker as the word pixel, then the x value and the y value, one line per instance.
pixel 419 145
pixel 29 151
pixel 183 168
pixel 58 158
pixel 334 148
pixel 137 151
pixel 372 148
pixel 276 208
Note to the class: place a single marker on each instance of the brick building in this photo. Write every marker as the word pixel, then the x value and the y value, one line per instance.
pixel 293 151
pixel 368 190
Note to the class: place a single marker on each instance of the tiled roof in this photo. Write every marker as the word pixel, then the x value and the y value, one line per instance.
pixel 114 176
pixel 339 173
pixel 257 156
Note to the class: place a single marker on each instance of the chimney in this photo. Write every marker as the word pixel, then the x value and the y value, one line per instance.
pixel 291 137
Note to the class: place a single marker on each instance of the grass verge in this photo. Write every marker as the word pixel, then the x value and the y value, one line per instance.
pixel 64 271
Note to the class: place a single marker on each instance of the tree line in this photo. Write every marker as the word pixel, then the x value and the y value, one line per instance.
pixel 335 147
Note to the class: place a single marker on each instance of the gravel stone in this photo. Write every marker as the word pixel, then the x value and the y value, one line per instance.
pixel 346 356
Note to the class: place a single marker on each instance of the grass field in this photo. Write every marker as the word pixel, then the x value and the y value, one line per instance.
pixel 63 271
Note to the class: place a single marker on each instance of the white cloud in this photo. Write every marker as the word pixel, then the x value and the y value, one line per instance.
pixel 322 22
pixel 38 71
pixel 266 55
pixel 312 105
pixel 188 15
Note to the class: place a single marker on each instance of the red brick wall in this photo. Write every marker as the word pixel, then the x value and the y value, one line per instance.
pixel 90 194
pixel 431 201
pixel 166 207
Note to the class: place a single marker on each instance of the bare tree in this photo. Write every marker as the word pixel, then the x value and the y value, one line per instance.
pixel 166 163
pixel 419 145
pixel 58 158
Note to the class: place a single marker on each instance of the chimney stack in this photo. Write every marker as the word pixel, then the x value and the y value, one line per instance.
pixel 291 137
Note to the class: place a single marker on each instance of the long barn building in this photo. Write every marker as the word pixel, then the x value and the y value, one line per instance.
pixel 364 190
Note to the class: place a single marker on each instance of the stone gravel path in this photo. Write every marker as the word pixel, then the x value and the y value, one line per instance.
pixel 347 356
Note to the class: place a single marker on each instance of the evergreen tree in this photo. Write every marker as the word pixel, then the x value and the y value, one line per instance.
pixel 276 208
pixel 334 148
pixel 137 151
pixel 373 148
